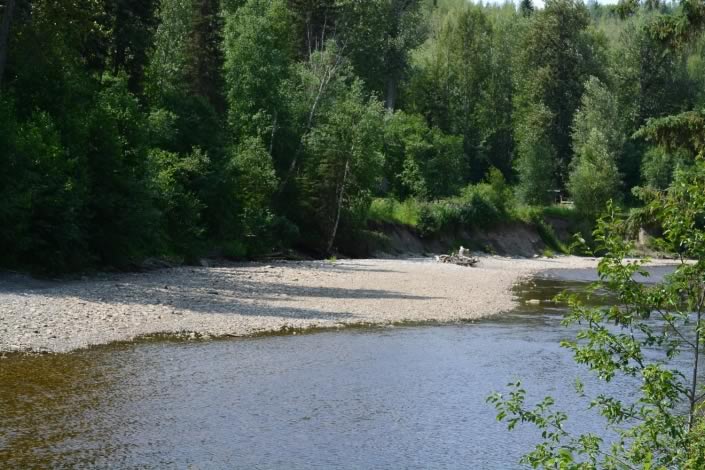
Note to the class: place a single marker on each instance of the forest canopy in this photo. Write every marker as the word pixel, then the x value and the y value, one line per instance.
pixel 179 128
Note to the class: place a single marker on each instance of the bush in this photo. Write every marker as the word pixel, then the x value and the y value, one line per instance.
pixel 479 206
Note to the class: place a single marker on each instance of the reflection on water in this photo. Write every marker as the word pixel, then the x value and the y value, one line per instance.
pixel 403 397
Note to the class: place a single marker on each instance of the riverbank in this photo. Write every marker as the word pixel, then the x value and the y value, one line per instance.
pixel 249 299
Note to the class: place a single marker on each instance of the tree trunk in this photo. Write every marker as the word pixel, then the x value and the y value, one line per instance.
pixel 334 232
pixel 5 34
pixel 391 99
pixel 327 77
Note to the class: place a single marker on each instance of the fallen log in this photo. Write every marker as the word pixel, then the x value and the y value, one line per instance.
pixel 460 260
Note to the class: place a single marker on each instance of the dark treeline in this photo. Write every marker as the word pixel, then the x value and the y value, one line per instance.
pixel 185 127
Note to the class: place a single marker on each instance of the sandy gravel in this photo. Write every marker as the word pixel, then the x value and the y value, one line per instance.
pixel 245 299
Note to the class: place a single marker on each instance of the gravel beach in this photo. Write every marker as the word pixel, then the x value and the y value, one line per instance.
pixel 247 299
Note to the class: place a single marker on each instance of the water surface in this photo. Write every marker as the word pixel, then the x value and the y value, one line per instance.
pixel 398 397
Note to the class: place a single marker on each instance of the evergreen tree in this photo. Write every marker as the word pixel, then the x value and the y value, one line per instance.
pixel 557 55
pixel 526 7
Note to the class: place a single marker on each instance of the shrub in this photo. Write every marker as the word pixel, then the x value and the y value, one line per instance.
pixel 479 206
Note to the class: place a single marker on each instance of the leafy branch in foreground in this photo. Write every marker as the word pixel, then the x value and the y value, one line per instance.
pixel 652 334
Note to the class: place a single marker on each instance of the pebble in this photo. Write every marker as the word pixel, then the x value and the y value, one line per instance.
pixel 79 314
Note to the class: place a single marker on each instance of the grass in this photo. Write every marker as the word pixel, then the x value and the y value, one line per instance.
pixel 561 212
pixel 390 210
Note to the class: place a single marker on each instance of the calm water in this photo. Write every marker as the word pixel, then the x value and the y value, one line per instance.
pixel 403 397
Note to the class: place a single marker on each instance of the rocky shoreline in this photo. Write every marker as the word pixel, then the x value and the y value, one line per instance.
pixel 248 298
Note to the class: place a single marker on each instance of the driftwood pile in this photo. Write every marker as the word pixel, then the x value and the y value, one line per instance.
pixel 460 258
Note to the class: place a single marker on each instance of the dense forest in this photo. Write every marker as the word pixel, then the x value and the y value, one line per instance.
pixel 181 128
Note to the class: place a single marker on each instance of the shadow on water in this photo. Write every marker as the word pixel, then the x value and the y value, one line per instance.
pixel 395 397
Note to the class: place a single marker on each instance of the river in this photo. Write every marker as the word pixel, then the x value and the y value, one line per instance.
pixel 392 397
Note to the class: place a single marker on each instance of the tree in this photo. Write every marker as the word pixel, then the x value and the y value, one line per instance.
pixel 598 106
pixel 174 178
pixel 131 25
pixel 204 53
pixel 313 88
pixel 526 7
pixel 454 81
pixel 183 75
pixel 536 160
pixel 639 337
pixel 42 196
pixel 659 166
pixel 594 178
pixel 378 36
pixel 256 182
pixel 166 70
pixel 258 55
pixel 120 220
pixel 314 24
pixel 646 328
pixel 557 55
pixel 344 159
pixel 419 161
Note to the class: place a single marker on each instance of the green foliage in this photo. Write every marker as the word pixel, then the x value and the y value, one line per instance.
pixel 594 177
pixel 176 182
pixel 165 75
pixel 420 162
pixel 551 79
pixel 598 106
pixel 683 131
pixel 480 206
pixel 659 166
pixel 258 53
pixel 343 161
pixel 391 210
pixel 169 127
pixel 379 36
pixel 452 67
pixel 536 161
pixel 257 180
pixel 181 83
pixel 639 337
pixel 43 200
pixel 119 210
pixel 256 183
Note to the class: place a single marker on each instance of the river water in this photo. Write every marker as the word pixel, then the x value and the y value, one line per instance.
pixel 393 397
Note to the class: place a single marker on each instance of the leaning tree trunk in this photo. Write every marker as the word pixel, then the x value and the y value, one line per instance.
pixel 5 34
pixel 334 231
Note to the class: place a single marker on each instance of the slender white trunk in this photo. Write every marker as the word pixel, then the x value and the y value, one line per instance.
pixel 325 80
pixel 391 101
pixel 339 208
